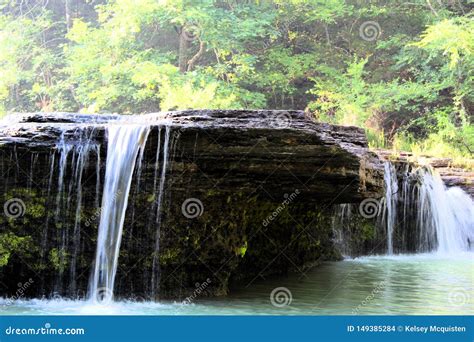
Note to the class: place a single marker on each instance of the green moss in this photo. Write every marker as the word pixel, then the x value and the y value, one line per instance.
pixel 10 243
pixel 367 230
pixel 169 256
pixel 36 210
pixel 58 259
pixel 243 250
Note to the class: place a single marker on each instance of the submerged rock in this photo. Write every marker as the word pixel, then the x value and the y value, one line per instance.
pixel 246 194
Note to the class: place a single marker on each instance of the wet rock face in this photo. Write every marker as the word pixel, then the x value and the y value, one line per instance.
pixel 275 150
pixel 247 194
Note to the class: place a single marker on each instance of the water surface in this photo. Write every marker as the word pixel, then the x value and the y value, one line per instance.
pixel 428 284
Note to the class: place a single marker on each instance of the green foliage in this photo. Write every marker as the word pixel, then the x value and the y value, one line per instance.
pixel 452 41
pixel 10 244
pixel 342 98
pixel 412 82
pixel 243 249
pixel 58 259
pixel 444 139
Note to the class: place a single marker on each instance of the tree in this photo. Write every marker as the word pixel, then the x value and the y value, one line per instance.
pixel 402 70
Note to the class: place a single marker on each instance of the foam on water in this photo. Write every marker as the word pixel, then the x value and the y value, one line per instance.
pixel 462 255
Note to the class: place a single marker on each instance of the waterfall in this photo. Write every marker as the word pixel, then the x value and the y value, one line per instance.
pixel 125 162
pixel 74 155
pixel 156 266
pixel 125 141
pixel 445 217
pixel 64 150
pixel 389 216
pixel 83 154
pixel 426 216
pixel 342 234
pixel 417 214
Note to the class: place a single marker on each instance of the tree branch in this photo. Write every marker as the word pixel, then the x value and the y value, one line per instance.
pixel 198 55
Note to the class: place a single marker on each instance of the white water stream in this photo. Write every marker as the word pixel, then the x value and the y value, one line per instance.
pixel 390 203
pixel 445 215
pixel 124 145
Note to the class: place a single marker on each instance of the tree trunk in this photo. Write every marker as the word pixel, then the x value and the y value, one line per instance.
pixel 183 51
pixel 67 10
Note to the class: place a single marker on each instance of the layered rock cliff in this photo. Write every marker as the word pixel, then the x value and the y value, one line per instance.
pixel 263 184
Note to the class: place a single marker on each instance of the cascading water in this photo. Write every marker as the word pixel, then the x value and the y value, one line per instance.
pixel 124 144
pixel 445 218
pixel 83 153
pixel 418 214
pixel 389 216
pixel 340 225
pixel 155 269
pixel 74 155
